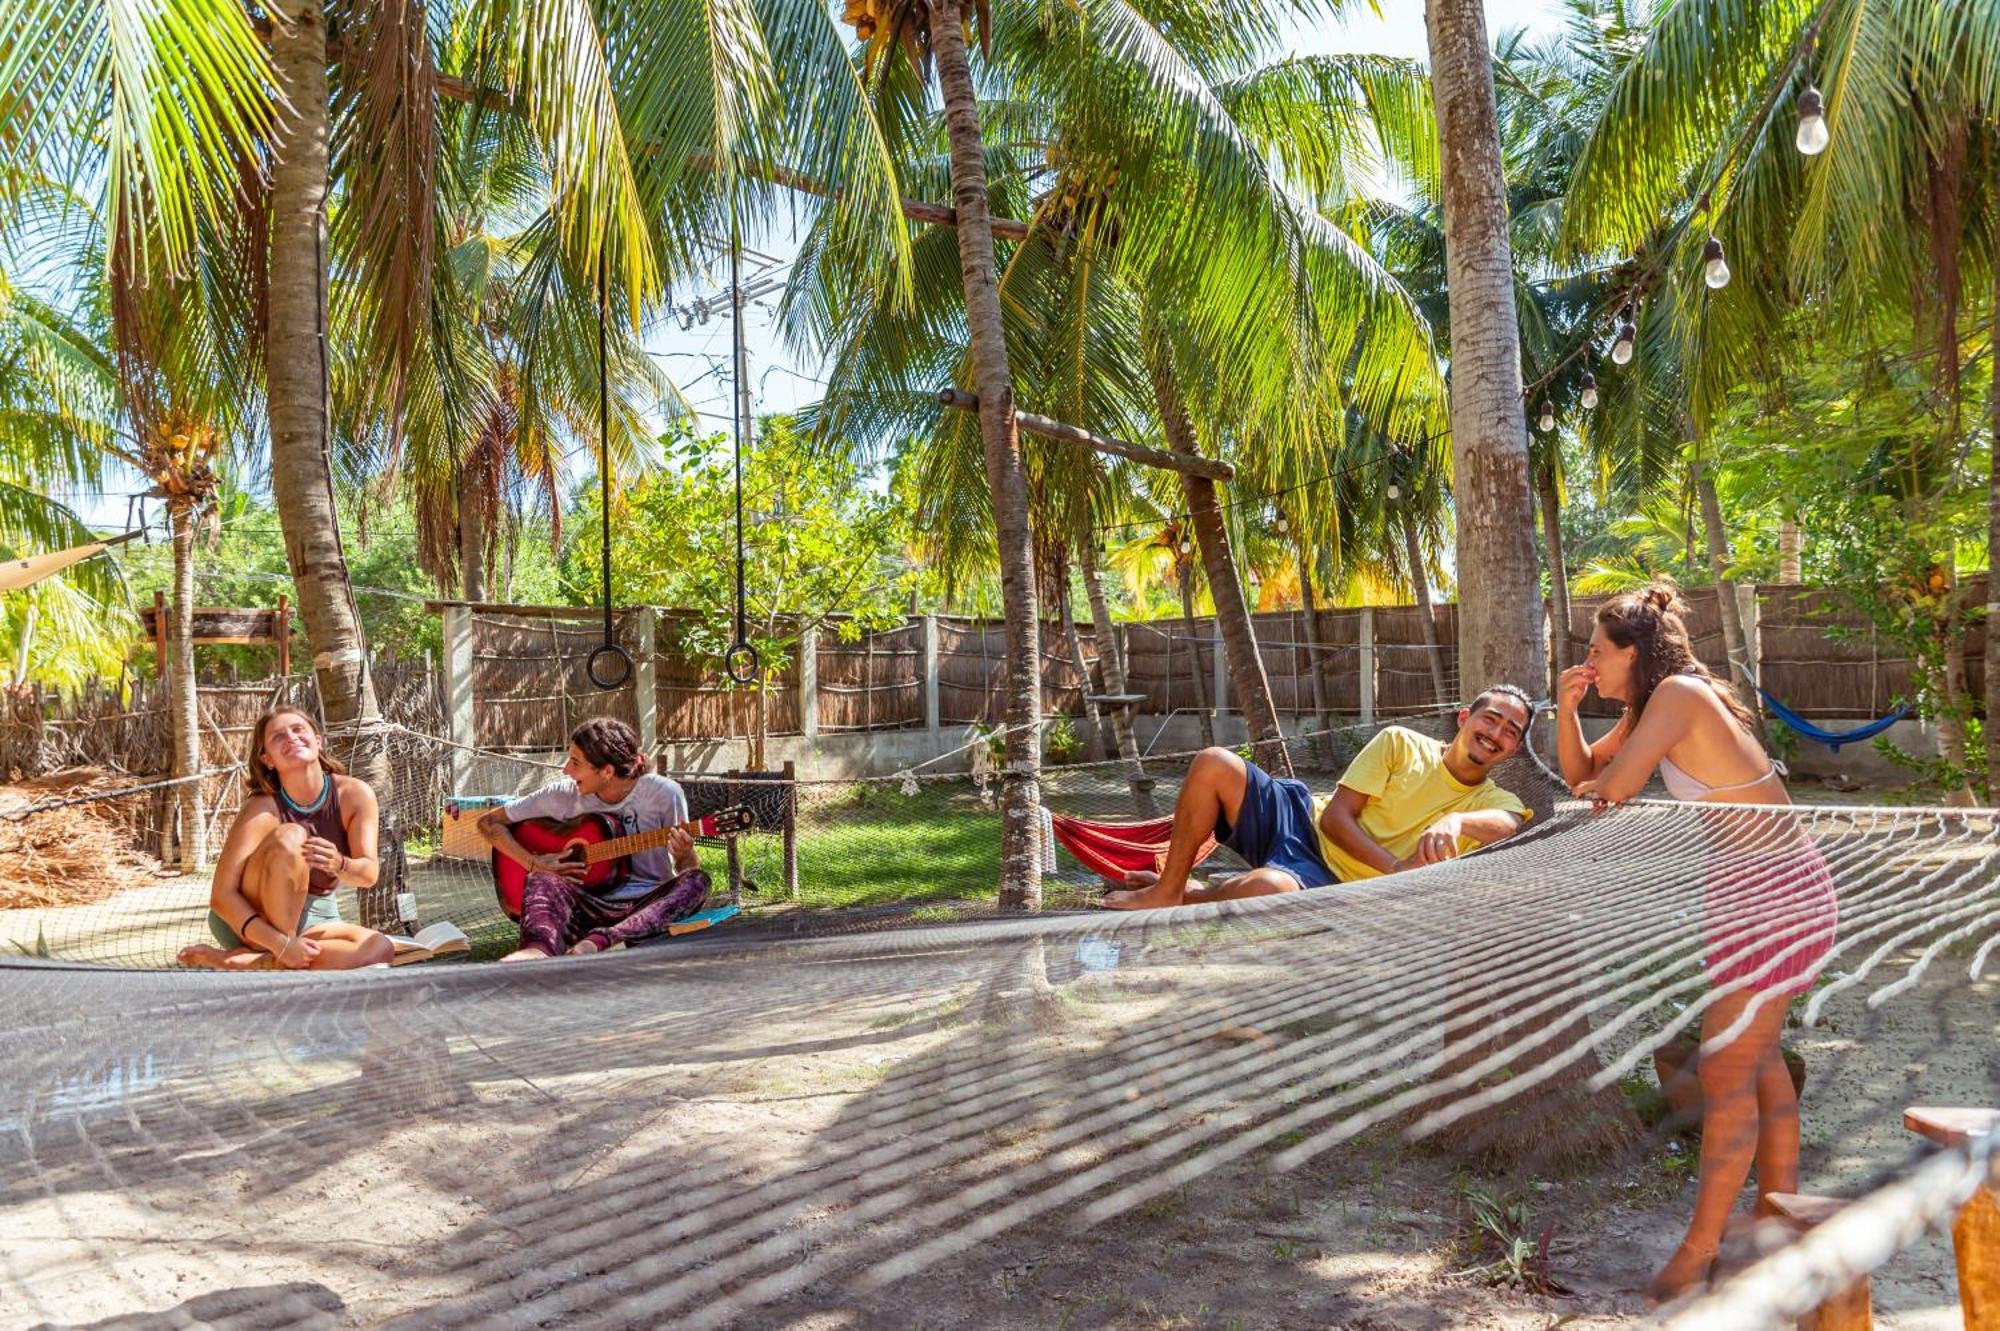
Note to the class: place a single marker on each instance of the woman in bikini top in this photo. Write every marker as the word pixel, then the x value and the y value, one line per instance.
pixel 1767 912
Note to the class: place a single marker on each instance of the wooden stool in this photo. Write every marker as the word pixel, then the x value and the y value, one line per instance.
pixel 1850 1309
pixel 1975 1234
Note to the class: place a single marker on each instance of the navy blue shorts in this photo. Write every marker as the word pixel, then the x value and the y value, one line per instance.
pixel 1274 829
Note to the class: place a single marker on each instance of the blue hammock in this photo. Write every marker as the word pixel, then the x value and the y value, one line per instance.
pixel 1833 739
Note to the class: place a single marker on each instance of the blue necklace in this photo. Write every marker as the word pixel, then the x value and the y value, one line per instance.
pixel 315 806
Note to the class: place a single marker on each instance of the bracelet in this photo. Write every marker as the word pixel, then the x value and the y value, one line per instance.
pixel 244 932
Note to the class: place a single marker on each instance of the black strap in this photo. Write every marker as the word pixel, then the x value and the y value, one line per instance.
pixel 741 660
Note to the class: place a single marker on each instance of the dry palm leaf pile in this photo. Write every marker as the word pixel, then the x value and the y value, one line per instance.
pixel 68 856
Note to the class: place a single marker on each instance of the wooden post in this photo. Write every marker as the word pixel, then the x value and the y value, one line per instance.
pixel 809 682
pixel 1975 1233
pixel 1365 677
pixel 458 699
pixel 1851 1308
pixel 160 636
pixel 645 678
pixel 282 627
pixel 734 796
pixel 1748 615
pixel 791 830
pixel 1221 663
pixel 930 632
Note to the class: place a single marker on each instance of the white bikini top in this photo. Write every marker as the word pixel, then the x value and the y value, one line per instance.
pixel 1683 787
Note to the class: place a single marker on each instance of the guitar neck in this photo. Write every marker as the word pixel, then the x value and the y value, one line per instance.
pixel 619 847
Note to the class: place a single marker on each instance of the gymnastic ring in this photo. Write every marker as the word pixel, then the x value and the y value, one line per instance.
pixel 605 679
pixel 741 663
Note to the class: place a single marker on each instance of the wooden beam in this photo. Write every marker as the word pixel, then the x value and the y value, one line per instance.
pixel 1190 463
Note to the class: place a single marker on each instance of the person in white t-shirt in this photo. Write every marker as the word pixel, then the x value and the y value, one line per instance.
pixel 605 774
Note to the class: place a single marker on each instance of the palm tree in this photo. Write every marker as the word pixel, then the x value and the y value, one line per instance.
pixel 1188 263
pixel 1894 215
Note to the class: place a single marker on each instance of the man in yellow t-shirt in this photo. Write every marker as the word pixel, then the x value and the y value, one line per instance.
pixel 1406 800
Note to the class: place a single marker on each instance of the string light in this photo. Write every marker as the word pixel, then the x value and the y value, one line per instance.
pixel 1186 548
pixel 1281 524
pixel 1628 333
pixel 1714 268
pixel 1547 420
pixel 1812 137
pixel 1589 391
pixel 1395 491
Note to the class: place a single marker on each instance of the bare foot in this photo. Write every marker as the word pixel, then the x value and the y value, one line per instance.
pixel 526 954
pixel 582 947
pixel 1144 898
pixel 1685 1271
pixel 201 954
pixel 1140 878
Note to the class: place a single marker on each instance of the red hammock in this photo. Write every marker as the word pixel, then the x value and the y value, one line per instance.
pixel 1111 849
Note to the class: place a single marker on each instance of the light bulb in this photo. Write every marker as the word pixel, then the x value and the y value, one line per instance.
pixel 1547 421
pixel 1395 491
pixel 1628 333
pixel 1281 525
pixel 1185 547
pixel 1714 268
pixel 1812 137
pixel 1589 391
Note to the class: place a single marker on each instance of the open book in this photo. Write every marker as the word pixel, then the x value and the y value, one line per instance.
pixel 433 940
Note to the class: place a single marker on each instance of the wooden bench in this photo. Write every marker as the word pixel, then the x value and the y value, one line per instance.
pixel 1975 1233
pixel 1850 1309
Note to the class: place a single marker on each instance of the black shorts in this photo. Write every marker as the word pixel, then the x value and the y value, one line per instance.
pixel 1274 829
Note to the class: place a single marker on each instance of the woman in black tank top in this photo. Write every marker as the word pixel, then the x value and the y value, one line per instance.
pixel 305 828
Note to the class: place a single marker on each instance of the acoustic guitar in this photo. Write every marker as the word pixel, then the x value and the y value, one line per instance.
pixel 592 840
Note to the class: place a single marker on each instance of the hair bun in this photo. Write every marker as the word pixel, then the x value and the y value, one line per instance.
pixel 1660 598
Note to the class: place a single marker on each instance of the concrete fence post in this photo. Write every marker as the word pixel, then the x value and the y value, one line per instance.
pixel 458 699
pixel 1365 677
pixel 645 678
pixel 1221 660
pixel 1753 630
pixel 809 682
pixel 930 666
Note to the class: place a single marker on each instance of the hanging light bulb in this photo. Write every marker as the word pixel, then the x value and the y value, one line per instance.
pixel 1714 268
pixel 1628 333
pixel 1547 420
pixel 1589 391
pixel 1812 137
pixel 1395 491
pixel 1186 548
pixel 1281 524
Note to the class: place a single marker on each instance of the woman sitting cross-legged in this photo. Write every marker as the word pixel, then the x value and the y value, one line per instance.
pixel 605 774
pixel 1768 911
pixel 304 829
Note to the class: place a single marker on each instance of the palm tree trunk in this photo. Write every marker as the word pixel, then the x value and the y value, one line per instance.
pixel 1232 612
pixel 1499 601
pixel 1993 546
pixel 1500 604
pixel 1020 825
pixel 1204 711
pixel 471 538
pixel 1112 657
pixel 1420 583
pixel 1788 550
pixel 1953 737
pixel 1552 539
pixel 1734 641
pixel 186 705
pixel 1313 652
pixel 1066 614
pixel 25 651
pixel 301 473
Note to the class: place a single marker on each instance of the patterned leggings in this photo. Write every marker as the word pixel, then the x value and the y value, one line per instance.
pixel 556 913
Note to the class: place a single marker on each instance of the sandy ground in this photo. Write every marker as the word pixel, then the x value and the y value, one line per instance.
pixel 520 1187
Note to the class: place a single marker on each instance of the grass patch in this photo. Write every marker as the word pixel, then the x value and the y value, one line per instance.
pixel 876 846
